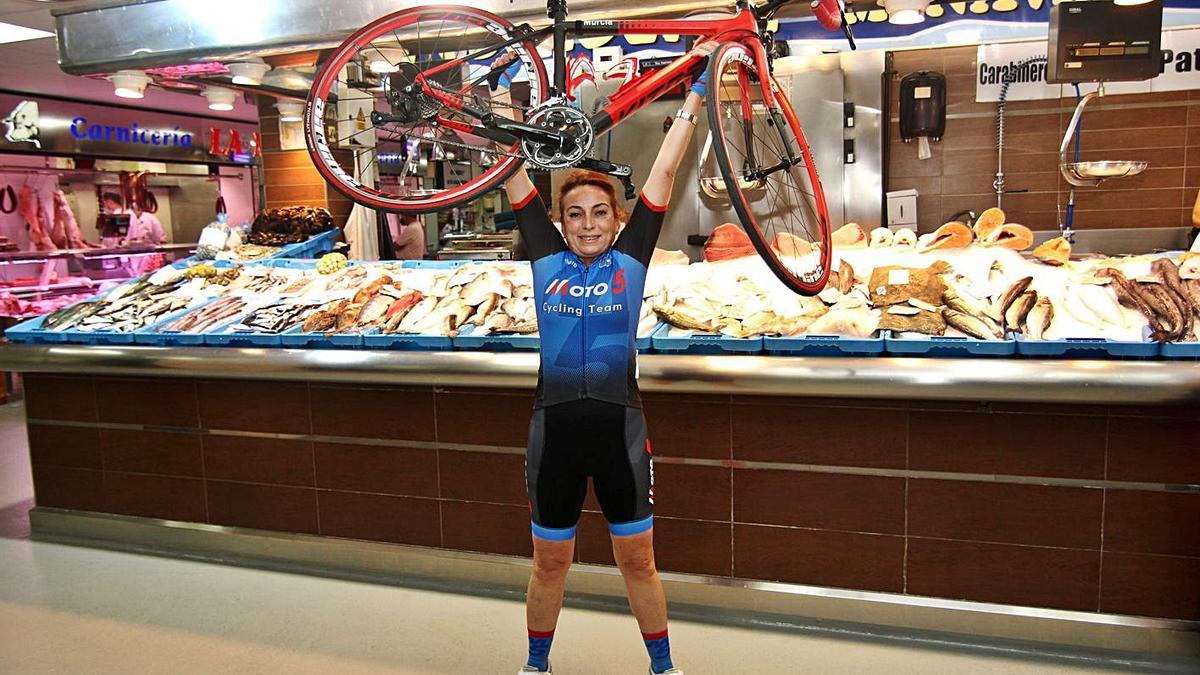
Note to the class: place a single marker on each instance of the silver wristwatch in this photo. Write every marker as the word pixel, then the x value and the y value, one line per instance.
pixel 686 116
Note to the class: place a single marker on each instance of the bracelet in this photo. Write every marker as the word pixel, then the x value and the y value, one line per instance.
pixel 686 116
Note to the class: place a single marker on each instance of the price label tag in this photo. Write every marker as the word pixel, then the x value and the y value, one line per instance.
pixel 897 277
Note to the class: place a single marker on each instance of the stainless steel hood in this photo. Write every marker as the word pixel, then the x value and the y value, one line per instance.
pixel 107 36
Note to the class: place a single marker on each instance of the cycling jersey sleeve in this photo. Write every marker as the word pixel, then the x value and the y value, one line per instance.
pixel 538 233
pixel 641 232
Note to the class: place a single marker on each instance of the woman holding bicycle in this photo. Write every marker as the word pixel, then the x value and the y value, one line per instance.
pixel 587 419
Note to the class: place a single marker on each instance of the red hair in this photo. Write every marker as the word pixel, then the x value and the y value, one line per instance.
pixel 583 177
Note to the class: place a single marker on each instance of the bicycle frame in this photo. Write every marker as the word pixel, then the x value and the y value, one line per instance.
pixel 742 27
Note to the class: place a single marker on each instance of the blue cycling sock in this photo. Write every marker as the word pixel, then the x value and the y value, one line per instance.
pixel 658 645
pixel 539 649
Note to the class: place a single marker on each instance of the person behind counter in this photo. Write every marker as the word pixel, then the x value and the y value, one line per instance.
pixel 587 418
pixel 144 227
pixel 408 235
pixel 112 204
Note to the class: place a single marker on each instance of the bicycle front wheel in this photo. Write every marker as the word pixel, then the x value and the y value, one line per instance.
pixel 385 161
pixel 768 169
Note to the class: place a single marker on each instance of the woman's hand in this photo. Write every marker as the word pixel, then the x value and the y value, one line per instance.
pixel 703 50
pixel 504 69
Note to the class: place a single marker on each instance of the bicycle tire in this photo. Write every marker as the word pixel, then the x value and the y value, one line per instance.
pixel 817 232
pixel 322 154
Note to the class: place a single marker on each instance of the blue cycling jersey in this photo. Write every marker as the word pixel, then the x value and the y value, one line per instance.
pixel 588 314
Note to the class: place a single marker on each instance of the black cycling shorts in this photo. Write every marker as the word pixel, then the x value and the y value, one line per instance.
pixel 570 442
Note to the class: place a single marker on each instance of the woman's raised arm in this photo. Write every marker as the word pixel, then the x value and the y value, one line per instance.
pixel 657 188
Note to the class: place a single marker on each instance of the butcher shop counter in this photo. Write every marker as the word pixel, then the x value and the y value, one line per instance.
pixel 1056 501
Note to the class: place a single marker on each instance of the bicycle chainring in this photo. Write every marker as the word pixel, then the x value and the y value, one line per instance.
pixel 571 122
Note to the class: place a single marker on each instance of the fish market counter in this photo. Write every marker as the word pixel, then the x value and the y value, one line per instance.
pixel 1067 488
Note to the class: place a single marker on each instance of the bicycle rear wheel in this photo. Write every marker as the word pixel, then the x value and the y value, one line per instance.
pixel 769 172
pixel 382 164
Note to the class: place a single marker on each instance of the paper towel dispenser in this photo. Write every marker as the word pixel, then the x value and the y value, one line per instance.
pixel 922 105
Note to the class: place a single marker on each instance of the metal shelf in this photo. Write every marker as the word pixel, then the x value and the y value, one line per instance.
pixel 1096 382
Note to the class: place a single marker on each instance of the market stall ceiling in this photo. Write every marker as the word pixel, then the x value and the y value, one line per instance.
pixel 31 67
pixel 95 38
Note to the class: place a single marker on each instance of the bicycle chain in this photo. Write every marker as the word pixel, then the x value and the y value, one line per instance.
pixel 483 104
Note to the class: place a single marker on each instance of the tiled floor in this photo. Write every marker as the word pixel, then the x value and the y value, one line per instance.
pixel 75 610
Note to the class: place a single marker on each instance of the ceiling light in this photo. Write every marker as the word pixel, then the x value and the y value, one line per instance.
pixel 129 83
pixel 288 78
pixel 905 12
pixel 386 59
pixel 290 111
pixel 1130 3
pixel 248 72
pixel 13 33
pixel 220 98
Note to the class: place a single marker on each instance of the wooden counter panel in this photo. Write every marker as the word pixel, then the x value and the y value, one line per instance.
pixel 373 412
pixel 1152 522
pixel 278 407
pixel 400 520
pixel 870 437
pixel 871 562
pixel 51 397
pixel 166 497
pixel 409 472
pixel 265 507
pixel 827 501
pixel 1151 449
pixel 1020 575
pixel 259 460
pixel 159 453
pixel 1151 585
pixel 65 446
pixel 1039 515
pixel 158 402
pixel 1067 446
pixel 68 488
pixel 976 500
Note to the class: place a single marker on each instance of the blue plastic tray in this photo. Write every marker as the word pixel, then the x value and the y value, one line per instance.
pixel 314 246
pixel 497 343
pixel 30 331
pixel 433 264
pixel 932 345
pixel 646 344
pixel 374 339
pixel 703 343
pixel 824 345
pixel 97 337
pixel 228 337
pixel 1180 350
pixel 1087 348
pixel 296 337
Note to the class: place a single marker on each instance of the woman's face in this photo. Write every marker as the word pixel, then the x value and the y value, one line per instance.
pixel 589 221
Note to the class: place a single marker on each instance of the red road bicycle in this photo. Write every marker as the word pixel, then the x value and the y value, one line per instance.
pixel 421 76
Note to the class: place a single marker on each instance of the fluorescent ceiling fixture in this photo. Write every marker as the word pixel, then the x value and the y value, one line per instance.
pixel 14 33
pixel 220 98
pixel 248 72
pixel 129 83
pixel 290 111
pixel 905 12
pixel 1130 3
pixel 386 59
